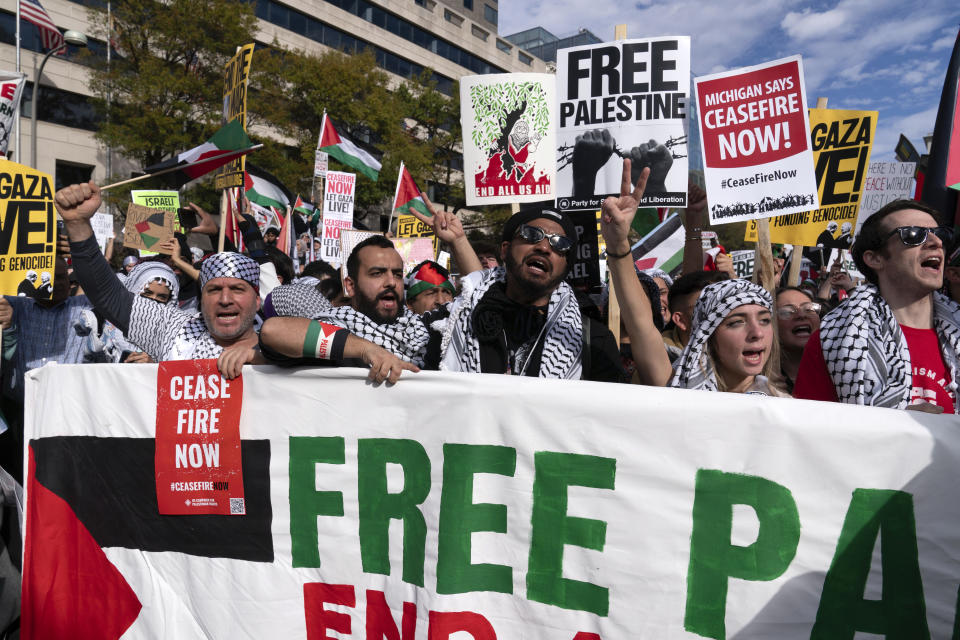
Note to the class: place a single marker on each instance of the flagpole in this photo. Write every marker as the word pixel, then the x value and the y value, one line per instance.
pixel 176 168
pixel 16 123
pixel 393 205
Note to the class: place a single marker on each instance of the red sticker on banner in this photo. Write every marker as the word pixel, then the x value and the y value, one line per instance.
pixel 197 456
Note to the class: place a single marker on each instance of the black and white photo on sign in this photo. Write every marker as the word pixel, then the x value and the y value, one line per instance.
pixel 623 100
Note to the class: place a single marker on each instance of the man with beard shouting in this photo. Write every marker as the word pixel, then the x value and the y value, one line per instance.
pixel 521 319
pixel 377 312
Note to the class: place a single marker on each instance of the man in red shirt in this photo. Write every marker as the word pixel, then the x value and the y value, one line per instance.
pixel 895 342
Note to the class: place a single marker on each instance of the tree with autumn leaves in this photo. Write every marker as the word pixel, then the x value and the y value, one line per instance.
pixel 162 93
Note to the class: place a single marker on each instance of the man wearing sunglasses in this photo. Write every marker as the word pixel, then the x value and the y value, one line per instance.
pixel 524 319
pixel 894 342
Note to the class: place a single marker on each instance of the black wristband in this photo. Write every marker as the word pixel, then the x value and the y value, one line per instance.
pixel 619 255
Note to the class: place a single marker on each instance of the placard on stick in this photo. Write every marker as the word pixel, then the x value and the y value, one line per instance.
pixel 148 228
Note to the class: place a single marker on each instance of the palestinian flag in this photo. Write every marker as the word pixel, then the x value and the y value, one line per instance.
pixel 79 523
pixel 347 151
pixel 263 188
pixel 151 229
pixel 227 144
pixel 409 198
pixel 662 248
pixel 304 207
pixel 942 179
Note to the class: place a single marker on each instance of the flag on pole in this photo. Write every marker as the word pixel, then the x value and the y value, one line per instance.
pixel 263 188
pixel 304 207
pixel 228 143
pixel 662 248
pixel 942 179
pixel 231 228
pixel 409 198
pixel 34 13
pixel 347 151
pixel 286 241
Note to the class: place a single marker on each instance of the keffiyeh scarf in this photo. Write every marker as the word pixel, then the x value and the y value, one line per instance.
pixel 562 334
pixel 406 338
pixel 867 355
pixel 693 370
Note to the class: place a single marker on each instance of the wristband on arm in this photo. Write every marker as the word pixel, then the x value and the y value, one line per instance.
pixel 324 341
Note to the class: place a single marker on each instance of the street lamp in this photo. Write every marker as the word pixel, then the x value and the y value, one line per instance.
pixel 75 38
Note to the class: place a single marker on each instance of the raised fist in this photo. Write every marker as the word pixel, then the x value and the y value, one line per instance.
pixel 590 152
pixel 656 156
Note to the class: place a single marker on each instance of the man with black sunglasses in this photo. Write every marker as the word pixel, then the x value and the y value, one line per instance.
pixel 523 318
pixel 895 342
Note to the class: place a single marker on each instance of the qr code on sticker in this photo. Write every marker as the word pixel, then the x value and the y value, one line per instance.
pixel 237 507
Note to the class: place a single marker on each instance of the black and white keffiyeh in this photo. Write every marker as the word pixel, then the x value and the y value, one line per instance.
pixel 562 333
pixel 866 352
pixel 693 370
pixel 406 338
pixel 166 333
pixel 230 265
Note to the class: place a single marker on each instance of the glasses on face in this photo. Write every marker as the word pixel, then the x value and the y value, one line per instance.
pixel 533 235
pixel 788 311
pixel 915 236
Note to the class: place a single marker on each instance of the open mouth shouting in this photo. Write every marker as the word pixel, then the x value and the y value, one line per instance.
pixel 802 330
pixel 753 357
pixel 388 300
pixel 538 265
pixel 932 264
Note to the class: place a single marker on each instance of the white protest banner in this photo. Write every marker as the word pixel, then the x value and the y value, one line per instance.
pixel 509 137
pixel 743 262
pixel 11 86
pixel 885 182
pixel 338 194
pixel 102 224
pixel 757 156
pixel 624 99
pixel 505 507
pixel 321 162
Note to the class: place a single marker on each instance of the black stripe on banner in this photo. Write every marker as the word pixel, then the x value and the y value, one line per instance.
pixel 109 483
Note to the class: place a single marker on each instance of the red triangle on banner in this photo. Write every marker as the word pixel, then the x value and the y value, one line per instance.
pixel 70 587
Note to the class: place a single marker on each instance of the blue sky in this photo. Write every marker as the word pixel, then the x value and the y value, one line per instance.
pixel 885 55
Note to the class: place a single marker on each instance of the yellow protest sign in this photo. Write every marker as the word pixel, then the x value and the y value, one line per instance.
pixel 28 231
pixel 841 142
pixel 235 77
pixel 412 227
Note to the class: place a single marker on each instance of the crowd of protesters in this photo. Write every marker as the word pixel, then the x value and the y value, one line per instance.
pixel 893 341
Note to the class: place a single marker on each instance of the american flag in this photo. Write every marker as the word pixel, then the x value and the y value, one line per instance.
pixel 32 12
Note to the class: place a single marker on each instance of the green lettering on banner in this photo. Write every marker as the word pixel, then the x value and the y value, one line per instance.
pixel 306 503
pixel 460 517
pixel 901 611
pixel 713 560
pixel 553 528
pixel 377 507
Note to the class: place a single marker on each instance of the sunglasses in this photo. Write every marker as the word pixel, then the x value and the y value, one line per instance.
pixel 533 235
pixel 787 311
pixel 915 236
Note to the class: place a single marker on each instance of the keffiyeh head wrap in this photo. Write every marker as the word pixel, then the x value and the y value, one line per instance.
pixel 866 352
pixel 692 370
pixel 146 272
pixel 230 265
pixel 660 273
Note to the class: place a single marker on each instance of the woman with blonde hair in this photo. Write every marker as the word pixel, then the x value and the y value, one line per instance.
pixel 733 344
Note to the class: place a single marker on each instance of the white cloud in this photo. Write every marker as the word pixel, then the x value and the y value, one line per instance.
pixel 946 42
pixel 807 25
